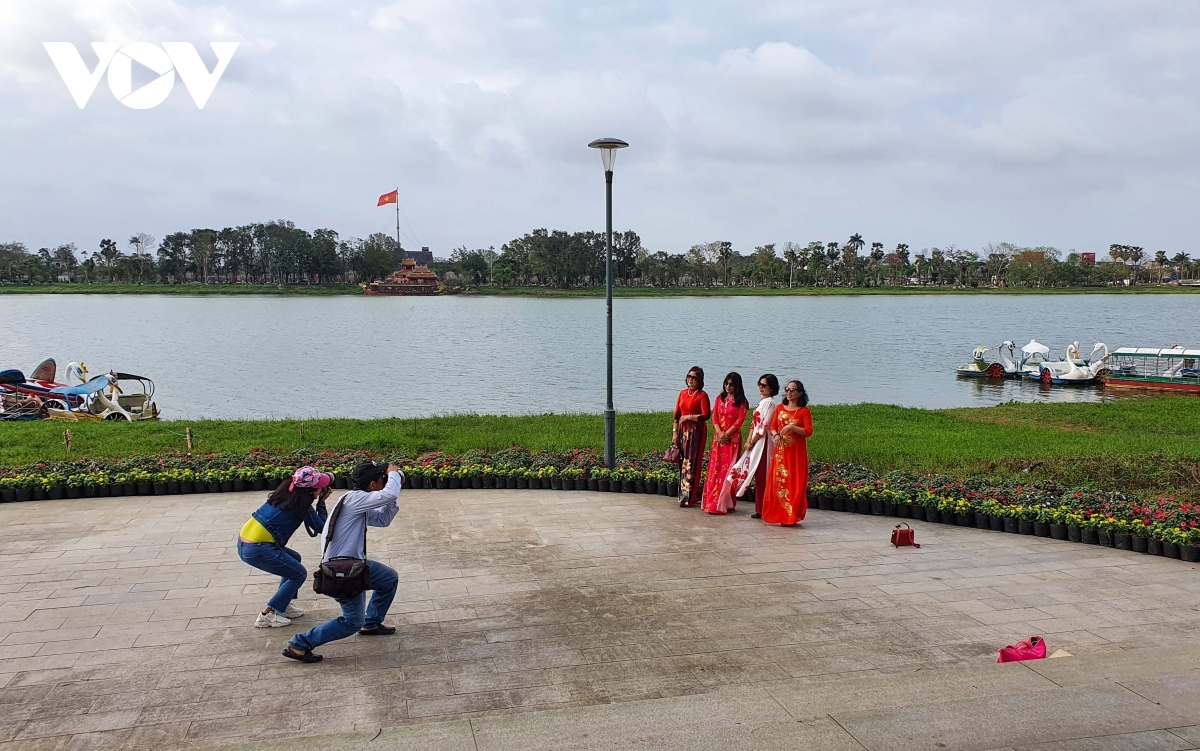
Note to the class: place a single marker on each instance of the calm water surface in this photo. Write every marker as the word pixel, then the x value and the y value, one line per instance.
pixel 360 357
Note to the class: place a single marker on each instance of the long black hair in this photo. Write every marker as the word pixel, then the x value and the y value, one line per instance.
pixel 772 383
pixel 699 373
pixel 802 400
pixel 296 502
pixel 739 393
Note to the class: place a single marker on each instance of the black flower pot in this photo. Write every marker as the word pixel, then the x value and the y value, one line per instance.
pixel 273 482
pixel 1123 541
pixel 982 520
pixel 904 510
pixel 1024 526
pixel 964 520
pixel 862 505
pixel 556 483
pixel 839 504
pixel 160 488
pixel 54 494
pixel 260 483
pixel 39 494
pixel 187 486
pixel 339 482
pixel 996 523
pixel 604 485
pixel 23 494
pixel 1041 529
pixel 476 483
pixel 131 488
pixel 1170 549
pixel 1190 553
pixel 673 489
pixel 173 487
pixel 456 483
pixel 116 489
pixel 426 483
pixel 74 491
pixel 1104 537
pixel 8 495
pixel 226 486
pixel 510 482
pixel 1011 525
pixel 240 486
pixel 825 503
pixel 102 491
pixel 932 515
pixel 1058 531
pixel 145 488
pixel 662 487
pixel 639 486
pixel 594 485
pixel 1139 544
pixel 1153 546
pixel 876 507
pixel 1089 536
pixel 889 508
pixel 89 491
pixel 626 486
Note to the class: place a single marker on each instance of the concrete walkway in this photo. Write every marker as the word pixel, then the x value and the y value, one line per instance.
pixel 548 620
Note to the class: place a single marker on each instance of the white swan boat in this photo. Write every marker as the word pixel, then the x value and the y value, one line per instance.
pixel 1010 365
pixel 1074 370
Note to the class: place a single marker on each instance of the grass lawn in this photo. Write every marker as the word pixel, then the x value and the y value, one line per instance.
pixel 1149 444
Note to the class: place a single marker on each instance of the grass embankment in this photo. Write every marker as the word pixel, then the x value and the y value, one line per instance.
pixel 1149 445
pixel 328 290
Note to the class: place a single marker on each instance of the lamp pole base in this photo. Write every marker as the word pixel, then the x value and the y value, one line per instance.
pixel 610 438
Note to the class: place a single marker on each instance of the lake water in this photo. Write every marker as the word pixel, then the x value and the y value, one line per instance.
pixel 243 357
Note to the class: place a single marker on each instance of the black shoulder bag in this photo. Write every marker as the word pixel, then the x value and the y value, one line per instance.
pixel 342 577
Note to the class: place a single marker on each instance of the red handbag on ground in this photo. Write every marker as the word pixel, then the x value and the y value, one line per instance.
pixel 901 537
pixel 1034 649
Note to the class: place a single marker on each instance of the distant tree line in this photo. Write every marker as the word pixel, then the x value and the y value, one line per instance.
pixel 268 253
pixel 279 253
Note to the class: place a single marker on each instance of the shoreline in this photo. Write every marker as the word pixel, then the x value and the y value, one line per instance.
pixel 1151 444
pixel 339 290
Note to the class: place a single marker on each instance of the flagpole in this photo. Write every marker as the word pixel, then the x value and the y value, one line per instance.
pixel 398 217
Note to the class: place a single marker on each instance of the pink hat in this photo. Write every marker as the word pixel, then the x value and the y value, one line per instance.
pixel 307 477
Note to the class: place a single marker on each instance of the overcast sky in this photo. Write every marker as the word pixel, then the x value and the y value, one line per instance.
pixel 1070 123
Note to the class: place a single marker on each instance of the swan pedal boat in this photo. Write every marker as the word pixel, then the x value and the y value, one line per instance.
pixel 1074 370
pixel 1032 355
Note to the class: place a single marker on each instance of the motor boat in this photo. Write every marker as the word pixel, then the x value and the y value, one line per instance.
pixel 1161 369
pixel 1075 370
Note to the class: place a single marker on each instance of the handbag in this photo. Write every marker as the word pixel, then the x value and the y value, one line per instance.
pixel 901 537
pixel 1033 649
pixel 341 577
pixel 673 454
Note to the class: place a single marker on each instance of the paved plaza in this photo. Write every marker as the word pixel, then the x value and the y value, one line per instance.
pixel 549 620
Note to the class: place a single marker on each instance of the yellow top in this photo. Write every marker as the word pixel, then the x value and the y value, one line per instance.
pixel 252 531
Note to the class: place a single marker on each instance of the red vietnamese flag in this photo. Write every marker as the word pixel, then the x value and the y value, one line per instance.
pixel 387 198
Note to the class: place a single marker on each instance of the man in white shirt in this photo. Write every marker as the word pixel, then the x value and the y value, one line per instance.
pixel 374 504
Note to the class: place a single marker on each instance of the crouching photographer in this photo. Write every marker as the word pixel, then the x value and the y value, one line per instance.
pixel 345 572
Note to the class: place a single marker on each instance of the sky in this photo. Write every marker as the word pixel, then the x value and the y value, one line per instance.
pixel 1071 123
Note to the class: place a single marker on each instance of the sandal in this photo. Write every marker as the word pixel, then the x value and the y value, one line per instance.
pixel 305 656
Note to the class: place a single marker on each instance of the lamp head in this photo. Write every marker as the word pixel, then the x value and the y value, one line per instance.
pixel 608 150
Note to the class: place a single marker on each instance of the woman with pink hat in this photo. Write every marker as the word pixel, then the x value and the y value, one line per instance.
pixel 263 540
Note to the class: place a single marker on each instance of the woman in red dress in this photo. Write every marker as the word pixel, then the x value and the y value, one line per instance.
pixel 692 410
pixel 786 498
pixel 729 412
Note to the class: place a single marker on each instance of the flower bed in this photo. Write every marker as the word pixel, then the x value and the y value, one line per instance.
pixel 1157 526
pixel 261 470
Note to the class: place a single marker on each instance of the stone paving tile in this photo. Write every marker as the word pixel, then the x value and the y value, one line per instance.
pixel 127 622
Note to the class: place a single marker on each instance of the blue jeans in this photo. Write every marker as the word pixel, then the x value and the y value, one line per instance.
pixel 384 580
pixel 283 562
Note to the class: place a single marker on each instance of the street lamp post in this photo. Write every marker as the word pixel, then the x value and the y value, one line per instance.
pixel 608 154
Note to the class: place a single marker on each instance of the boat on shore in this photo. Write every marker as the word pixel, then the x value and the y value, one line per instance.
pixel 100 397
pixel 411 279
pixel 1158 369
